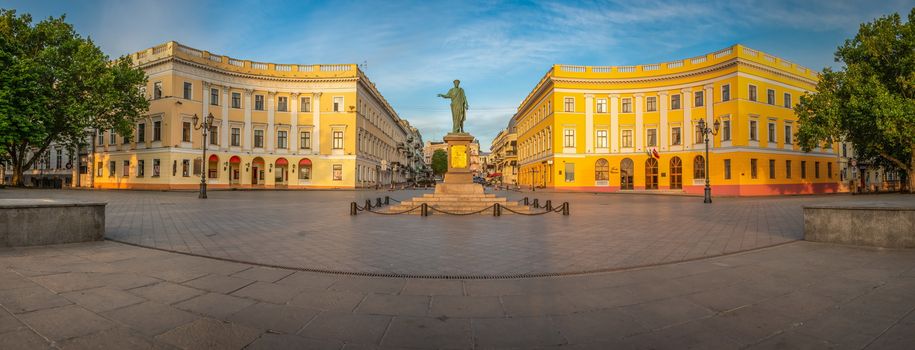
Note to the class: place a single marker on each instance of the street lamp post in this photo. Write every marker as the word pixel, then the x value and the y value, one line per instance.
pixel 205 125
pixel 706 131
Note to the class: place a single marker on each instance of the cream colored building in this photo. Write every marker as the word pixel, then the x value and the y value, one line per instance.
pixel 276 125
pixel 504 155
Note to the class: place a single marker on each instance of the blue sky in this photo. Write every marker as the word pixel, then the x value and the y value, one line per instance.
pixel 499 50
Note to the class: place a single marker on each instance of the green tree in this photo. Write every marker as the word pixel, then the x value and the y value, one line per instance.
pixel 871 102
pixel 55 86
pixel 439 162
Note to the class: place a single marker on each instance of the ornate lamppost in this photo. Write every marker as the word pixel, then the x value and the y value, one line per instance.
pixel 706 130
pixel 206 125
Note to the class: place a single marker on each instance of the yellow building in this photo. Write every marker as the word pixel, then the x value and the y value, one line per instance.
pixel 504 155
pixel 276 125
pixel 611 128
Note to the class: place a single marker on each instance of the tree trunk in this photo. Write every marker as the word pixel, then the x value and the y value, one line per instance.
pixel 16 180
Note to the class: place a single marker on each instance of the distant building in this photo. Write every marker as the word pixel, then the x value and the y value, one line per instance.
pixel 504 155
pixel 861 176
pixel 612 128
pixel 474 151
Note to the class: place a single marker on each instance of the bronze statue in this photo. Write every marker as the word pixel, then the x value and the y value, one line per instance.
pixel 458 106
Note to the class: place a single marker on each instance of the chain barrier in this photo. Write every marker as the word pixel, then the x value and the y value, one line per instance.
pixel 496 208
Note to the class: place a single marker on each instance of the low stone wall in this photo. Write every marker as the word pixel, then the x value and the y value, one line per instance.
pixel 879 224
pixel 29 222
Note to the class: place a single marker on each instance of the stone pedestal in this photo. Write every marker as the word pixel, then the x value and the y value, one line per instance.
pixel 29 222
pixel 459 178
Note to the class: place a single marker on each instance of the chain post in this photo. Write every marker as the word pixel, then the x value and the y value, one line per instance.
pixel 424 209
pixel 387 200
pixel 378 202
pixel 565 209
pixel 536 203
pixel 526 201
pixel 352 208
pixel 496 210
pixel 549 204
pixel 368 204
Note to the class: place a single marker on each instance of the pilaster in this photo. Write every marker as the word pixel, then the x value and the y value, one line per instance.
pixel 248 135
pixel 663 128
pixel 316 119
pixel 224 128
pixel 688 128
pixel 614 123
pixel 271 114
pixel 639 122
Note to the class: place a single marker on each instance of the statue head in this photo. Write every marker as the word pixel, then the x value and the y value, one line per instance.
pixel 456 82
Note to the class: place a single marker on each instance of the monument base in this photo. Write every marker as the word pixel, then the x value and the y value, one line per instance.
pixel 458 188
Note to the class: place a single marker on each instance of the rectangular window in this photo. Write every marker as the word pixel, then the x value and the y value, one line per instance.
pixel 112 137
pixel 700 137
pixel 602 139
pixel 803 169
pixel 675 137
pixel 726 130
pixel 570 172
pixel 157 90
pixel 101 137
pixel 305 103
pixel 236 100
pixel 259 138
pixel 126 172
pixel 305 140
pixel 338 172
pixel 770 96
pixel 753 132
pixel 675 101
pixel 787 100
pixel 282 103
pixel 700 98
pixel 281 139
pixel 186 132
pixel 236 137
pixel 568 138
pixel 214 97
pixel 259 102
pixel 626 138
pixel 752 92
pixel 141 132
pixel 601 105
pixel 787 134
pixel 753 173
pixel 141 168
pixel 816 170
pixel 112 168
pixel 570 104
pixel 186 168
pixel 338 139
pixel 727 169
pixel 157 131
pixel 725 93
pixel 627 105
pixel 187 90
pixel 651 104
pixel 771 168
pixel 829 169
pixel 99 168
pixel 771 132
pixel 338 104
pixel 788 169
pixel 214 135
pixel 652 137
pixel 155 172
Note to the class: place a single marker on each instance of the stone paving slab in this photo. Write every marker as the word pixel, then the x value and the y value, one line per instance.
pixel 798 295
pixel 312 230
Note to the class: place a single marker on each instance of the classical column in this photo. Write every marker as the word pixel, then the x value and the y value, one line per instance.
pixel 271 111
pixel 688 129
pixel 614 123
pixel 639 123
pixel 316 119
pixel 224 129
pixel 709 104
pixel 247 136
pixel 663 128
pixel 589 123
pixel 294 120
pixel 206 108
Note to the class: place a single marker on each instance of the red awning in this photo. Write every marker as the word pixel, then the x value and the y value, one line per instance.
pixel 282 161
pixel 305 162
pixel 214 158
pixel 235 160
pixel 495 174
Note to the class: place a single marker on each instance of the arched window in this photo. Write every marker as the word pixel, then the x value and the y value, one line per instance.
pixel 699 167
pixel 651 174
pixel 676 173
pixel 602 170
pixel 626 172
pixel 305 169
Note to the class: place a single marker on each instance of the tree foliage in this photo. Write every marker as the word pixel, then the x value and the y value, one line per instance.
pixel 56 85
pixel 439 162
pixel 871 101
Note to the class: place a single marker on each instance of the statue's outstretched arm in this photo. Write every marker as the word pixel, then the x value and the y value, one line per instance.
pixel 444 96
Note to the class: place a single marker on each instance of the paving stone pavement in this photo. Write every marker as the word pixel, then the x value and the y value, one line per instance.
pixel 313 230
pixel 800 295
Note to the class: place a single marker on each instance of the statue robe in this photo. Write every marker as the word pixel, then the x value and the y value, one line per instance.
pixel 458 108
